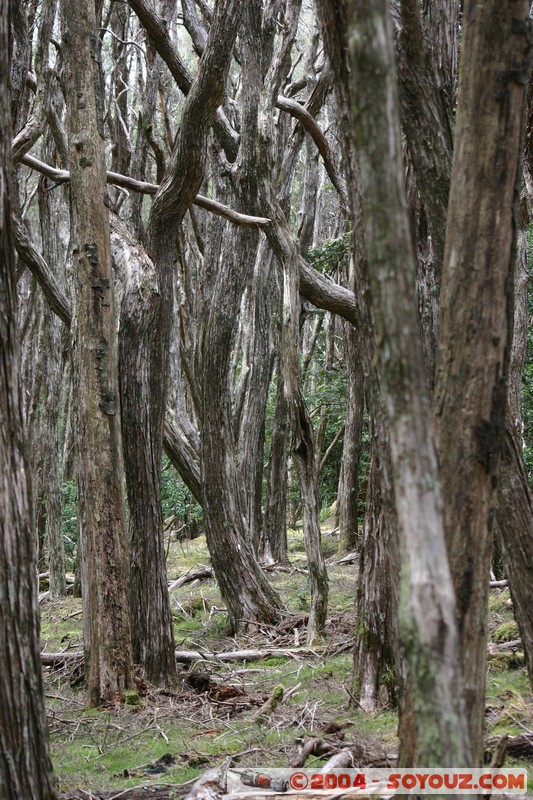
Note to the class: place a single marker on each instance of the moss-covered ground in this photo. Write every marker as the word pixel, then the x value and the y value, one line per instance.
pixel 191 729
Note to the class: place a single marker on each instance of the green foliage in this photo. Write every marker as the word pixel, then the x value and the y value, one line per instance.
pixel 331 255
pixel 176 499
pixel 69 515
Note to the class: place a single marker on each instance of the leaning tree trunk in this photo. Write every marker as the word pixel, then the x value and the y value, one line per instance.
pixel 476 313
pixel 100 468
pixel 25 768
pixel 246 591
pixel 427 607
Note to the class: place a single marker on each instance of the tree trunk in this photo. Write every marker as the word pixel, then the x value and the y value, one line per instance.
pixel 251 436
pixel 348 490
pixel 246 591
pixel 376 666
pixel 275 516
pixel 100 467
pixel 514 499
pixel 427 608
pixel 50 208
pixel 145 312
pixel 25 768
pixel 476 313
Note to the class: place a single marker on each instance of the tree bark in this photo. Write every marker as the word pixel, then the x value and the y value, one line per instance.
pixel 275 516
pixel 258 358
pixel 347 495
pixel 476 313
pixel 100 468
pixel 50 207
pixel 25 767
pixel 514 499
pixel 427 608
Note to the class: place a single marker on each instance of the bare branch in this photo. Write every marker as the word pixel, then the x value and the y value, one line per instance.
pixel 114 178
pixel 299 112
pixel 157 31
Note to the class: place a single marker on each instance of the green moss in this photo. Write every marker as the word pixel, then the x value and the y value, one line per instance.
pixel 506 632
pixel 503 661
pixel 131 698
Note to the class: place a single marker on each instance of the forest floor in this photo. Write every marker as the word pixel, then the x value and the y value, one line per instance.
pixel 211 718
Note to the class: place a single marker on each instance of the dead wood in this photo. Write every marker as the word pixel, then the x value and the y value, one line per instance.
pixel 361 753
pixel 514 644
pixel 188 656
pixel 276 697
pixel 520 746
pixel 199 575
pixel 209 786
pixel 61 659
pixel 311 746
pixel 348 559
pixel 498 757
pixel 161 792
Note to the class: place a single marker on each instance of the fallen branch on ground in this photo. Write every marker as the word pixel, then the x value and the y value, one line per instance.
pixel 189 577
pixel 520 746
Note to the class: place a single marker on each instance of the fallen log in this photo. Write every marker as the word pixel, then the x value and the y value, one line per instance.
pixel 188 656
pixel 161 792
pixel 520 746
pixel 189 577
pixel 514 644
pixel 61 659
pixel 361 753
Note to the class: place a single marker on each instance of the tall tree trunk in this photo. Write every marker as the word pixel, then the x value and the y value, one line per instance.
pixel 51 204
pixel 275 516
pixel 427 607
pixel 348 490
pixel 25 768
pixel 246 591
pixel 514 499
pixel 476 313
pixel 100 468
pixel 251 436
pixel 376 628
pixel 142 375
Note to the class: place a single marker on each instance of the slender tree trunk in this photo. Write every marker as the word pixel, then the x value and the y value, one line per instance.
pixel 25 768
pixel 275 517
pixel 476 313
pixel 376 630
pixel 348 491
pixel 100 468
pixel 50 207
pixel 251 433
pixel 514 499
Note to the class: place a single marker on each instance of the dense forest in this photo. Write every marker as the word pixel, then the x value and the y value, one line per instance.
pixel 263 271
